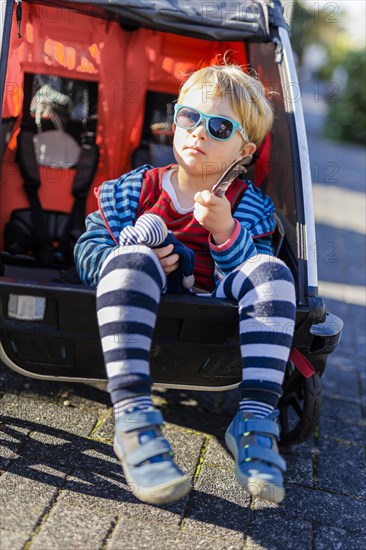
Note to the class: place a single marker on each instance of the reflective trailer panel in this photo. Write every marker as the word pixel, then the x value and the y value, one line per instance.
pixel 26 308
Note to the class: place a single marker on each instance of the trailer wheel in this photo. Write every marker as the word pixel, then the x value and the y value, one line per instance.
pixel 299 406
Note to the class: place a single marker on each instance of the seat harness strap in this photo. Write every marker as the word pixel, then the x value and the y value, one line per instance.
pixel 27 161
pixel 85 171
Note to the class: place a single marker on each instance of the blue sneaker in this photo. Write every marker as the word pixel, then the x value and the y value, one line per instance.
pixel 253 443
pixel 147 457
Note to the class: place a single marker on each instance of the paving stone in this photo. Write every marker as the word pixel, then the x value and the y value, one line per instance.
pixel 363 391
pixel 73 528
pixel 181 406
pixel 347 342
pixel 203 421
pixel 219 526
pixel 299 460
pixel 70 450
pixel 4 464
pixel 360 340
pixel 337 539
pixel 340 358
pixel 132 535
pixel 186 446
pixel 13 540
pixel 218 502
pixel 16 383
pixel 221 482
pixel 341 362
pixel 341 430
pixel 90 396
pixel 358 314
pixel 109 491
pixel 189 541
pixel 327 509
pixel 73 452
pixel 111 494
pixel 217 454
pixel 341 382
pixel 105 430
pixel 273 532
pixel 11 440
pixel 28 491
pixel 340 409
pixel 341 468
pixel 96 490
pixel 208 401
pixel 43 417
pixel 129 534
pixel 57 434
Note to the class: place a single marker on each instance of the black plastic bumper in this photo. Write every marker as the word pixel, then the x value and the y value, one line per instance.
pixel 195 343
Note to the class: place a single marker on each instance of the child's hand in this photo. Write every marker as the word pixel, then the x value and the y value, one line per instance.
pixel 168 261
pixel 214 213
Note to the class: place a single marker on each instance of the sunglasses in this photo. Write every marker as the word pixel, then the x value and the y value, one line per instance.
pixel 218 127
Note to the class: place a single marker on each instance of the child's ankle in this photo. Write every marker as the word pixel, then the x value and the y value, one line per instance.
pixel 140 401
pixel 256 408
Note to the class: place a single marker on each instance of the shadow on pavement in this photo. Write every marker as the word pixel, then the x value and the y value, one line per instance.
pixel 52 454
pixel 12 382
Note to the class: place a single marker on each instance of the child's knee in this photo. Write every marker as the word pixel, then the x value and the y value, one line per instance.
pixel 134 257
pixel 262 267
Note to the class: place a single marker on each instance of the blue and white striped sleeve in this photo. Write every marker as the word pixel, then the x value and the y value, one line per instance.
pixel 119 201
pixel 92 249
pixel 254 225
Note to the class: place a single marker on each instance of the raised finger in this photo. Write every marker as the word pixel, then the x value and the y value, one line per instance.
pixel 206 198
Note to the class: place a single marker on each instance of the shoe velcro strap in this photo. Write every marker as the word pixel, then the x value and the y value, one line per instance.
pixel 154 447
pixel 139 419
pixel 262 425
pixel 261 453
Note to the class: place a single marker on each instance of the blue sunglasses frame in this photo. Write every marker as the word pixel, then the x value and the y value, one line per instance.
pixel 202 116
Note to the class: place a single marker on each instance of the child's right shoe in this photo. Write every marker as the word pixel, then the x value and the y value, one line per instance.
pixel 147 457
pixel 259 466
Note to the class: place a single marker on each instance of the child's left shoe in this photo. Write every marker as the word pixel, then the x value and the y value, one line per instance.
pixel 259 466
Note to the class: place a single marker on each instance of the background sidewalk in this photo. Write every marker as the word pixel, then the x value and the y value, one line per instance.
pixel 62 488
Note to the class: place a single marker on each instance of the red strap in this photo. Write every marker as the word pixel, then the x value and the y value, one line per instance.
pixel 235 192
pixel 301 363
pixel 261 167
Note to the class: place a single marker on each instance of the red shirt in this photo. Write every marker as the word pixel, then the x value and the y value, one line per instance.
pixel 156 200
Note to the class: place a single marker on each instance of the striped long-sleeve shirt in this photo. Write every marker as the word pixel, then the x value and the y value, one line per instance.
pixel 123 200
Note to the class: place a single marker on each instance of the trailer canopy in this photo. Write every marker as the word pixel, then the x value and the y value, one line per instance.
pixel 251 20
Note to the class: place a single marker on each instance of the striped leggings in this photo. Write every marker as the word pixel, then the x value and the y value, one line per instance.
pixel 130 286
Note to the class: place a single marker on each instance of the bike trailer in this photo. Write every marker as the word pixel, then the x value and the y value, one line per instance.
pixel 87 91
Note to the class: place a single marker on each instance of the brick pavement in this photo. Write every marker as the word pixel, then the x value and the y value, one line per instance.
pixel 62 487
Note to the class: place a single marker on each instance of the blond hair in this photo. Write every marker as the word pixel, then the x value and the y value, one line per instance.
pixel 246 93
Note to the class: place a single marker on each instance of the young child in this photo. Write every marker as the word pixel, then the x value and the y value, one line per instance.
pixel 222 113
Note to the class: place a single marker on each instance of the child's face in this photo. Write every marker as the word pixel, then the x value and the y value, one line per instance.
pixel 196 151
